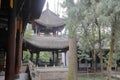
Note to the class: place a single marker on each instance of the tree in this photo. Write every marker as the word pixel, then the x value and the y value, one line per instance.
pixel 80 14
pixel 84 55
pixel 71 26
pixel 109 11
pixel 90 18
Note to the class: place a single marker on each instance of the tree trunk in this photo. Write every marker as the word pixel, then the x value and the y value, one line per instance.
pixel 112 43
pixel 72 71
pixel 87 68
pixel 100 52
pixel 101 65
pixel 94 62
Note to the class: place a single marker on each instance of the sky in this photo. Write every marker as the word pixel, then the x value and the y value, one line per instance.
pixel 55 6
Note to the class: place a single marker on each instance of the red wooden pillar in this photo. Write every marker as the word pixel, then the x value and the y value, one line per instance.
pixel 10 57
pixel 18 49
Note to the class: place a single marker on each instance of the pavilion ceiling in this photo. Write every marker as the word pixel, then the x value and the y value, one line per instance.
pixel 27 10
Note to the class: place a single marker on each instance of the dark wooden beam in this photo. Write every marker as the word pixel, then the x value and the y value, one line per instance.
pixel 3 21
pixel 10 58
pixel 3 12
pixel 4 16
pixel 3 25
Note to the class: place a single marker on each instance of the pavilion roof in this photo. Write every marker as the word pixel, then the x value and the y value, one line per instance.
pixel 48 42
pixel 49 19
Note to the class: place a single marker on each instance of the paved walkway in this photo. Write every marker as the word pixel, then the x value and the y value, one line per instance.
pixel 23 76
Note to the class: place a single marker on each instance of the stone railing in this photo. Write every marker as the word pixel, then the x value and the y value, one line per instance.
pixel 47 73
pixel 33 72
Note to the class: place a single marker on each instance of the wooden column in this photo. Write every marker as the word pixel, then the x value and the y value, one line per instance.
pixel 65 59
pixel 31 56
pixel 37 58
pixel 53 54
pixel 10 57
pixel 78 63
pixel 18 54
pixel 22 54
pixel 57 57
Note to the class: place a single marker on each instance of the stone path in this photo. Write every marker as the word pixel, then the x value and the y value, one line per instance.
pixel 23 76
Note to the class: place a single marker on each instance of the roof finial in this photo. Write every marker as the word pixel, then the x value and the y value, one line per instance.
pixel 47 5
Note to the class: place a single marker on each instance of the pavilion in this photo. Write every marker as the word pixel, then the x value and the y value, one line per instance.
pixel 47 28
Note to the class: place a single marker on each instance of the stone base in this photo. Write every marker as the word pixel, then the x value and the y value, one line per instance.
pixel 53 73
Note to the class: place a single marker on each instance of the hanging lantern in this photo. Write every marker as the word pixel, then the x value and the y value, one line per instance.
pixel 11 3
pixel 21 27
pixel 0 3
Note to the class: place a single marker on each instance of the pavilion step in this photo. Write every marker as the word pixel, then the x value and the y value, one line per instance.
pixel 2 60
pixel 23 76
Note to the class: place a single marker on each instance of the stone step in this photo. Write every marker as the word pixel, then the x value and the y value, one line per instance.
pixel 23 76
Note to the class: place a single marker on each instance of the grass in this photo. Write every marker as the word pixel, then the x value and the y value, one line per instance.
pixel 92 78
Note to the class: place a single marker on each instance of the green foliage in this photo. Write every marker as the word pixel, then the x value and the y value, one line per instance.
pixel 72 19
pixel 87 18
pixel 28 32
pixel 108 10
pixel 26 56
pixel 82 54
pixel 45 56
pixel 85 14
pixel 92 78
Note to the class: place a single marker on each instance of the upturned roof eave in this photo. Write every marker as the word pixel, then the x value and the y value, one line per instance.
pixel 50 19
